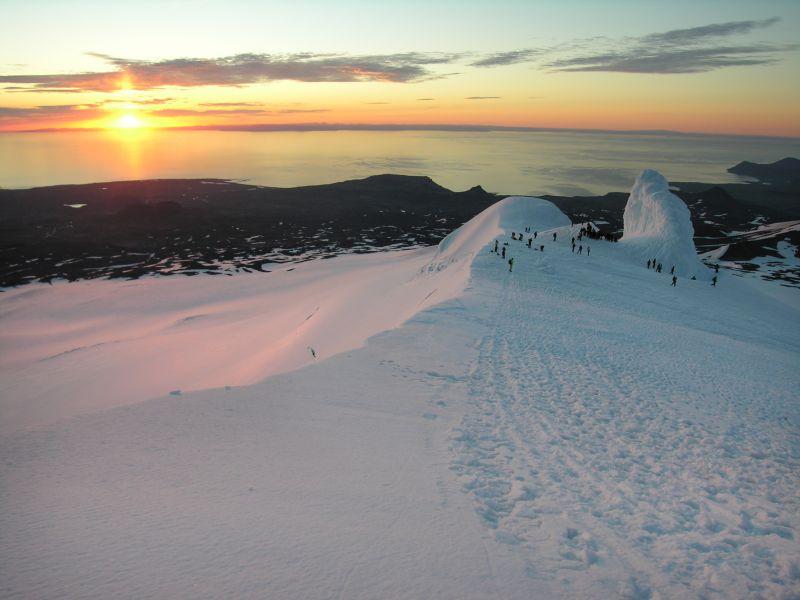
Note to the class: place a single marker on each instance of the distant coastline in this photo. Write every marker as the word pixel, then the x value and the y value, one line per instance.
pixel 472 128
pixel 126 229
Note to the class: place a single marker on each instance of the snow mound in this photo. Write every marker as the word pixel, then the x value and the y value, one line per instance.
pixel 658 226
pixel 510 214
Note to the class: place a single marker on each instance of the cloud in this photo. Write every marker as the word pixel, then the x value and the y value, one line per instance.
pixel 241 69
pixel 697 60
pixel 230 104
pixel 506 58
pixel 191 112
pixel 16 89
pixel 483 98
pixel 50 114
pixel 693 50
pixel 700 34
pixel 142 102
pixel 425 99
pixel 229 112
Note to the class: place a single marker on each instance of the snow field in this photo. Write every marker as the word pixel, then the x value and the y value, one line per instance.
pixel 575 428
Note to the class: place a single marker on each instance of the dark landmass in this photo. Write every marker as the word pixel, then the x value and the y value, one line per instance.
pixel 129 228
pixel 190 226
pixel 786 170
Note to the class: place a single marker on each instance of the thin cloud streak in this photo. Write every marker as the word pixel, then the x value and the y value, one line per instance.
pixel 691 50
pixel 52 113
pixel 693 35
pixel 227 112
pixel 506 58
pixel 242 69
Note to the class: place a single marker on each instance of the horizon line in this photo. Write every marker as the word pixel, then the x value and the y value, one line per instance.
pixel 479 128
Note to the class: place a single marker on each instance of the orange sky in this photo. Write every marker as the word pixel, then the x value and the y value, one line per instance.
pixel 535 65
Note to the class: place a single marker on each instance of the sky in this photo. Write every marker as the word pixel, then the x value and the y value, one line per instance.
pixel 711 66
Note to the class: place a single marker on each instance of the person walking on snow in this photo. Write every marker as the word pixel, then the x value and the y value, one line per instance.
pixel 535 233
pixel 529 242
pixel 648 264
pixel 495 246
pixel 573 247
pixel 580 249
pixel 541 248
pixel 658 268
pixel 504 251
pixel 672 270
pixel 554 236
pixel 588 250
pixel 510 264
pixel 674 280
pixel 714 281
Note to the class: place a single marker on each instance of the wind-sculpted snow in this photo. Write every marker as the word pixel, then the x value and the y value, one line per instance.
pixel 512 213
pixel 658 226
pixel 156 335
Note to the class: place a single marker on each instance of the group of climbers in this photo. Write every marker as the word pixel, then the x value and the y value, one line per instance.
pixel 592 232
pixel 588 230
pixel 580 247
pixel 656 266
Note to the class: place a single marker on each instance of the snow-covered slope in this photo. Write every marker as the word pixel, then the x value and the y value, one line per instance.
pixel 658 226
pixel 574 428
pixel 77 347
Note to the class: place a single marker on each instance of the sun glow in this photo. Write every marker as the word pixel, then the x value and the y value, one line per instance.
pixel 128 121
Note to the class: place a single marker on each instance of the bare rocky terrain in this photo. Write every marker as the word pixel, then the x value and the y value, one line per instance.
pixel 131 228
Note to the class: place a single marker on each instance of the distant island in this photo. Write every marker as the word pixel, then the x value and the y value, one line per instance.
pixel 786 170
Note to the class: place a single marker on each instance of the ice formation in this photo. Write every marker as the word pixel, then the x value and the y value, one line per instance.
pixel 658 226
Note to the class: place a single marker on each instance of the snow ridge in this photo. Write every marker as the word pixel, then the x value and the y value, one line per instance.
pixel 658 225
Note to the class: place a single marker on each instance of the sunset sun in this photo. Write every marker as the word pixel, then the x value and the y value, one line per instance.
pixel 128 121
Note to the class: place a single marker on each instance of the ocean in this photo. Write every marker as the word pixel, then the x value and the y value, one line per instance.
pixel 533 163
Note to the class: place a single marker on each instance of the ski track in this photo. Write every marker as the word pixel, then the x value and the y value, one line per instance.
pixel 594 461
